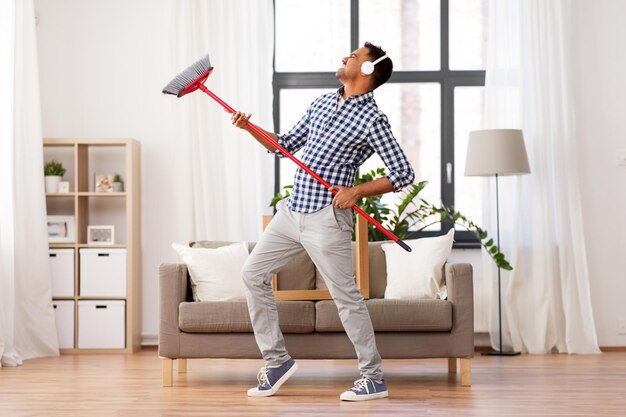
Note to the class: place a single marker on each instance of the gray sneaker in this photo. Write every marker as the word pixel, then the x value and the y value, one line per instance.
pixel 270 379
pixel 365 389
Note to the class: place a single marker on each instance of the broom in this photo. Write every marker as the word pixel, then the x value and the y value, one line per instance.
pixel 193 78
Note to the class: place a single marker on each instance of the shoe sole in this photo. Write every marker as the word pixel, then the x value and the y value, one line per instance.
pixel 254 392
pixel 367 397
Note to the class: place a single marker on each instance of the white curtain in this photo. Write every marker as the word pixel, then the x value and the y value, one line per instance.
pixel 547 305
pixel 229 175
pixel 27 327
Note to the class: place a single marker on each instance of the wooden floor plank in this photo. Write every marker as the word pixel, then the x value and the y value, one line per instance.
pixel 130 385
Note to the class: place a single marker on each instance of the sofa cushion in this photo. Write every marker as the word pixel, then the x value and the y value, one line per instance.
pixel 418 274
pixel 391 315
pixel 233 317
pixel 377 270
pixel 213 244
pixel 299 274
pixel 215 273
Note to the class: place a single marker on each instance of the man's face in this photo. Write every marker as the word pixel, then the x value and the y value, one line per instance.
pixel 351 64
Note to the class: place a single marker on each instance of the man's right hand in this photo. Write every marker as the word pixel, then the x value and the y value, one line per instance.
pixel 240 119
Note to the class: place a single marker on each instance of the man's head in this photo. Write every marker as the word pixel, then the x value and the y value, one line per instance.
pixel 382 70
pixel 350 71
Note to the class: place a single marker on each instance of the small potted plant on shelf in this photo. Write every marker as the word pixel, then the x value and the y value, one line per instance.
pixel 118 183
pixel 53 172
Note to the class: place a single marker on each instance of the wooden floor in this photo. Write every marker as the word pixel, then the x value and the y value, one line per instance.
pixel 130 385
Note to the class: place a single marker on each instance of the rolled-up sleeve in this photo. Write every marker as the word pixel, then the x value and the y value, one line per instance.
pixel 295 139
pixel 381 139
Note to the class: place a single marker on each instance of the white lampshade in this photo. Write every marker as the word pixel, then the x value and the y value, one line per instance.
pixel 496 151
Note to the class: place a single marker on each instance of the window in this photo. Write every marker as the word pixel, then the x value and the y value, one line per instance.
pixel 433 99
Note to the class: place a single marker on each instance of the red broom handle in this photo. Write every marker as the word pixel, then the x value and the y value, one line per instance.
pixel 307 169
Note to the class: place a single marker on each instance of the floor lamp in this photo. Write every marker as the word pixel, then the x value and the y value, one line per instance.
pixel 497 152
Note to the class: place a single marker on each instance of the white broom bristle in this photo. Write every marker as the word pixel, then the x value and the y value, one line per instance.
pixel 182 80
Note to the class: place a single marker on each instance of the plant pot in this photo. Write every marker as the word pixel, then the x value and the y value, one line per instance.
pixel 118 187
pixel 52 183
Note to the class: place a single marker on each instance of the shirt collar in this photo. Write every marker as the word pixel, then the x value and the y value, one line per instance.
pixel 361 98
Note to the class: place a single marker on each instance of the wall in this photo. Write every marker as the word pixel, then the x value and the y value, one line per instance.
pixel 102 68
pixel 600 65
pixel 103 65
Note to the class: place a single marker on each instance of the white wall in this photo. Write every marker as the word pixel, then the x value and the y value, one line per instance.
pixel 600 66
pixel 104 63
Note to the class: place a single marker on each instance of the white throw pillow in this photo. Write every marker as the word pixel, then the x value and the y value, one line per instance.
pixel 215 273
pixel 417 274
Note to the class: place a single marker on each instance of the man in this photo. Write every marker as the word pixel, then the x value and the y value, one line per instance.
pixel 339 131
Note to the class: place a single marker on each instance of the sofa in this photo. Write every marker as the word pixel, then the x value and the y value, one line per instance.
pixel 405 329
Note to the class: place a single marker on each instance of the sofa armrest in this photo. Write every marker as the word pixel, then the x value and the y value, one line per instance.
pixel 459 282
pixel 172 291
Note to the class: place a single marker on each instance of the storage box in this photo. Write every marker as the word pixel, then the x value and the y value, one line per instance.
pixel 102 272
pixel 64 318
pixel 101 324
pixel 62 267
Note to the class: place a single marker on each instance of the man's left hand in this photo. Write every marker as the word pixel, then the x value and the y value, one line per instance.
pixel 345 198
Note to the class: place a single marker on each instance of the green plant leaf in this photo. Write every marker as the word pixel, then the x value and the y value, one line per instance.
pixel 284 193
pixel 415 190
pixel 54 167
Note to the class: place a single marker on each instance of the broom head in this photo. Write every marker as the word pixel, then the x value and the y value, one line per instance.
pixel 190 79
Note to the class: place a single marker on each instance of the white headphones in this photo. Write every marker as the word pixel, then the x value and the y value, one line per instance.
pixel 367 67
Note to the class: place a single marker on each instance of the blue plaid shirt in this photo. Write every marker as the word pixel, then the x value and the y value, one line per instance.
pixel 336 142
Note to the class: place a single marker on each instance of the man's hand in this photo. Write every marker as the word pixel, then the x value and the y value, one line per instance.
pixel 345 198
pixel 240 119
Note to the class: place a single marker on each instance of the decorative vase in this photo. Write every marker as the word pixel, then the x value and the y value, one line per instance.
pixel 52 183
pixel 118 187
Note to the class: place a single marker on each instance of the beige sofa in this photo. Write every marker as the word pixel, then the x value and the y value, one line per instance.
pixel 405 329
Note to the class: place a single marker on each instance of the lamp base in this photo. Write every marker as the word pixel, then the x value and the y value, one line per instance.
pixel 500 353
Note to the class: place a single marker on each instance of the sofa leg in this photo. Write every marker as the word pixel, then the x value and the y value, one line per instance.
pixel 168 364
pixel 182 366
pixel 466 372
pixel 452 365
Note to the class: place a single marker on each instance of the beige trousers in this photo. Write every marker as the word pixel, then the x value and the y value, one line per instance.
pixel 326 236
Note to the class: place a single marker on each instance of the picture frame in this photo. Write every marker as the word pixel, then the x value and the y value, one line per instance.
pixel 61 229
pixel 103 183
pixel 101 235
pixel 64 187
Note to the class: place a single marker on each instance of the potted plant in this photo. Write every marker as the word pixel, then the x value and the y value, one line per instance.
pixel 118 183
pixel 409 212
pixel 53 172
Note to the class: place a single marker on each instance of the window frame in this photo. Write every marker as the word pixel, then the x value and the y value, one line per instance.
pixel 447 79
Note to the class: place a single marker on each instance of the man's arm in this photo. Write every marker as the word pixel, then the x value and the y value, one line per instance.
pixel 292 141
pixel 400 173
pixel 240 120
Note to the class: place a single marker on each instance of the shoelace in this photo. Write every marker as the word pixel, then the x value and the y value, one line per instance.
pixel 262 377
pixel 361 384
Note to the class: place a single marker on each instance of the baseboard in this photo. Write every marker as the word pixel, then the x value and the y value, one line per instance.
pixel 613 348
pixel 149 339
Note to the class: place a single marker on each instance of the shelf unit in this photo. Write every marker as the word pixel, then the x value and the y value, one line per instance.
pixel 83 158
